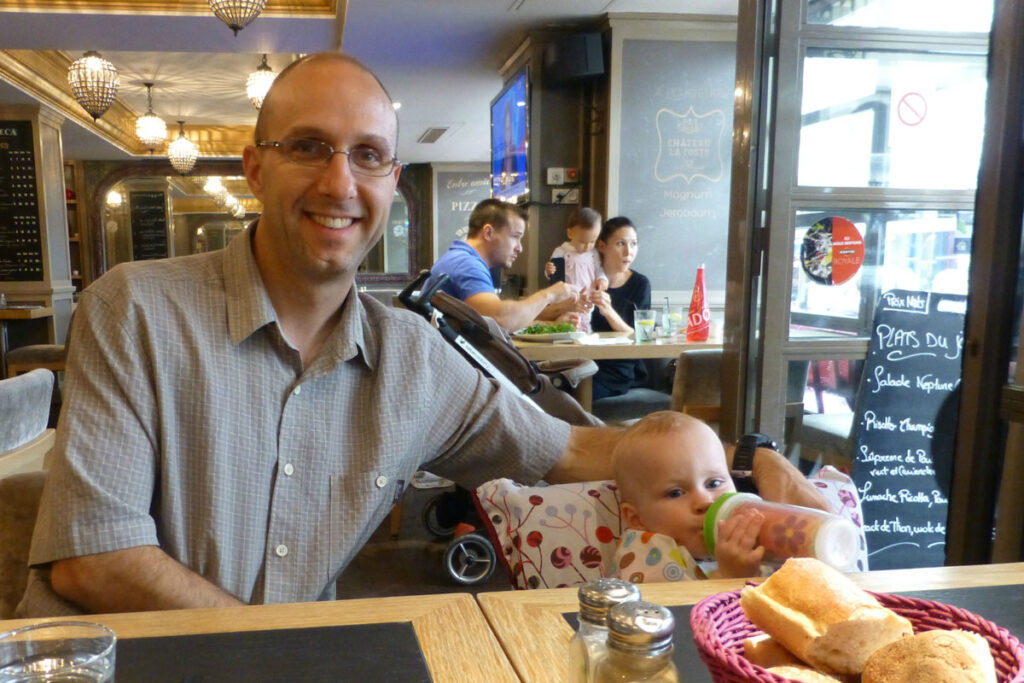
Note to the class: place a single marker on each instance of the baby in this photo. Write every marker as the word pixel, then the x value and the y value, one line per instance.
pixel 669 468
pixel 582 262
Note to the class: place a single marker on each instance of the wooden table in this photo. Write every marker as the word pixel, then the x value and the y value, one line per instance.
pixel 536 636
pixel 452 632
pixel 661 348
pixel 17 312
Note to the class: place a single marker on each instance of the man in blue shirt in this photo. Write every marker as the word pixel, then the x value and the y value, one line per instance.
pixel 496 230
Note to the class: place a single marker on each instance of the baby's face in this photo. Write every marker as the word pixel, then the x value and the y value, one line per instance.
pixel 675 482
pixel 583 238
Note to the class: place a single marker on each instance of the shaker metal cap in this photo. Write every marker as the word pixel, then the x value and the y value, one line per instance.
pixel 640 627
pixel 597 596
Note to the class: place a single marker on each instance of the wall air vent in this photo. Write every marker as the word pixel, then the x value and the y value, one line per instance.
pixel 431 135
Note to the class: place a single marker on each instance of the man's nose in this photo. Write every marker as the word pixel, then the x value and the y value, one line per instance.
pixel 337 179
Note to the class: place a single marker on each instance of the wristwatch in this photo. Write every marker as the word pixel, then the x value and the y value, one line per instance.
pixel 742 470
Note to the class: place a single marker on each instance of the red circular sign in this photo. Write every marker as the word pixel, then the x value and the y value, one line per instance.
pixel 912 108
pixel 832 251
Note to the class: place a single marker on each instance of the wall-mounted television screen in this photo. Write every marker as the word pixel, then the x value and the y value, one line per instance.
pixel 510 133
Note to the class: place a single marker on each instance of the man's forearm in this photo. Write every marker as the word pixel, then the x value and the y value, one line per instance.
pixel 779 481
pixel 587 457
pixel 132 580
pixel 515 315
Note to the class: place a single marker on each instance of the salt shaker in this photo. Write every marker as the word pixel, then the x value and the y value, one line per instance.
pixel 639 645
pixel 587 646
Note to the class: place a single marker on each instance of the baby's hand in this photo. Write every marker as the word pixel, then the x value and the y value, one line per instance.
pixel 601 285
pixel 738 554
pixel 549 269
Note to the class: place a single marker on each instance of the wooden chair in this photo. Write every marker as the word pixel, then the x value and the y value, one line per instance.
pixel 697 388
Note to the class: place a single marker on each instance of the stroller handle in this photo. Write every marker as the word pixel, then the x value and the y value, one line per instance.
pixel 421 304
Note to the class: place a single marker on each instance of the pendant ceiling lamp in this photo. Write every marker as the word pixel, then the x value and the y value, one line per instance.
pixel 150 129
pixel 94 82
pixel 237 14
pixel 258 83
pixel 182 152
pixel 238 211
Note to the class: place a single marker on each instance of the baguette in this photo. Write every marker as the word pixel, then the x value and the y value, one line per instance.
pixel 933 656
pixel 803 674
pixel 821 616
pixel 766 652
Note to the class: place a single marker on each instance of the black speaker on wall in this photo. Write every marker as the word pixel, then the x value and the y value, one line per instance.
pixel 574 58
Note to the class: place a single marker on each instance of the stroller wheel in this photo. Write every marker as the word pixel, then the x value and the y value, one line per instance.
pixel 438 518
pixel 470 559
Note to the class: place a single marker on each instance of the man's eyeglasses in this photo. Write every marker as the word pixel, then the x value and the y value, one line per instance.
pixel 362 159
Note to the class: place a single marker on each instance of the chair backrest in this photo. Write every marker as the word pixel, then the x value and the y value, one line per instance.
pixel 19 504
pixel 697 389
pixel 24 408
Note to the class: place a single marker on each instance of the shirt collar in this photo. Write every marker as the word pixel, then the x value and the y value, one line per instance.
pixel 249 308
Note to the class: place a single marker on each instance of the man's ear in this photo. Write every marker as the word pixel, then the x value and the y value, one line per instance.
pixel 252 163
pixel 630 517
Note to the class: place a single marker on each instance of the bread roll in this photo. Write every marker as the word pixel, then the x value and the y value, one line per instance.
pixel 766 652
pixel 821 616
pixel 933 656
pixel 803 674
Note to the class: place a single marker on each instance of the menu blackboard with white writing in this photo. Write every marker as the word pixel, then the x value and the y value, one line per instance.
pixel 905 425
pixel 458 192
pixel 21 245
pixel 149 225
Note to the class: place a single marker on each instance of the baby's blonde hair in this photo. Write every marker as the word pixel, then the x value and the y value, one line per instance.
pixel 632 443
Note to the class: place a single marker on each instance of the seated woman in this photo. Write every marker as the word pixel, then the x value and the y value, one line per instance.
pixel 627 291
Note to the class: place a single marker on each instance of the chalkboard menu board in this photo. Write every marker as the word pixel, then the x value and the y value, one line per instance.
pixel 21 245
pixel 457 194
pixel 905 424
pixel 149 225
pixel 675 156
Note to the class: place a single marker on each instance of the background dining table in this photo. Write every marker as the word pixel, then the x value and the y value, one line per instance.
pixel 609 350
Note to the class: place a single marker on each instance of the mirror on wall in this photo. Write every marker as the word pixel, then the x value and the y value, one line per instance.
pixel 144 213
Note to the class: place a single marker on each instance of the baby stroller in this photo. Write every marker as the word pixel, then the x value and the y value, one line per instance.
pixel 470 557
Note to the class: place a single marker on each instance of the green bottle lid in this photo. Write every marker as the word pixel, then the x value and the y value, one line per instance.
pixel 711 516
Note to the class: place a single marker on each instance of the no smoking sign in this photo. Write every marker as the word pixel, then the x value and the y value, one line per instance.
pixel 912 108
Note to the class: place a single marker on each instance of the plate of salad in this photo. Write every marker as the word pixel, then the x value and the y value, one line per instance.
pixel 548 332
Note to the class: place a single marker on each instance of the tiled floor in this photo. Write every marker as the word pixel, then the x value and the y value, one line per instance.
pixel 412 564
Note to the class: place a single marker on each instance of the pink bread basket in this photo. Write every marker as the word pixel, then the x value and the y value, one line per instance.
pixel 720 626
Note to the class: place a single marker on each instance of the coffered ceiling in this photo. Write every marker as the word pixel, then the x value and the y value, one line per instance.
pixel 439 58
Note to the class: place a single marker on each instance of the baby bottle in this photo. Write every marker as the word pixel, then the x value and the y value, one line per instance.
pixel 790 531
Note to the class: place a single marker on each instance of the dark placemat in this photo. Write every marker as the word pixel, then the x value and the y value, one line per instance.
pixel 365 652
pixel 1003 605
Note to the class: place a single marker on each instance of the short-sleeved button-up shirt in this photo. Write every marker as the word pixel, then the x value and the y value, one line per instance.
pixel 191 424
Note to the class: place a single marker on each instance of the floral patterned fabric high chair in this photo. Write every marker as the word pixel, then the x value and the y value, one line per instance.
pixel 565 535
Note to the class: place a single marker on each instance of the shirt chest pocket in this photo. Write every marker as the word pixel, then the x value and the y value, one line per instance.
pixel 359 502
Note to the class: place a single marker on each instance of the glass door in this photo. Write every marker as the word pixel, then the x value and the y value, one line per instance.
pixel 872 124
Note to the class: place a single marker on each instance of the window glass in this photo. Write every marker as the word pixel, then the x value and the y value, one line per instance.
pixel 891 119
pixel 920 15
pixel 925 250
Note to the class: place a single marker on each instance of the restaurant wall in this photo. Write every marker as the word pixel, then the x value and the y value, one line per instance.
pixel 669 148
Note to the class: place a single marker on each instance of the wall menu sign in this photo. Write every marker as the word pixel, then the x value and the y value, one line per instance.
pixel 458 192
pixel 905 424
pixel 21 245
pixel 149 225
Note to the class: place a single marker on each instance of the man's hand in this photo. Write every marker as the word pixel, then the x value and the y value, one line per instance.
pixel 737 551
pixel 563 291
pixel 779 481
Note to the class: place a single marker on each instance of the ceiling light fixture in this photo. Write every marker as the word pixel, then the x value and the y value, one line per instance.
pixel 237 14
pixel 114 199
pixel 182 152
pixel 258 83
pixel 150 129
pixel 94 82
pixel 238 211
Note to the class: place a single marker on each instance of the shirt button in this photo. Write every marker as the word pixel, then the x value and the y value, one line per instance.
pixel 281 550
pixel 297 390
pixel 382 481
pixel 288 469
